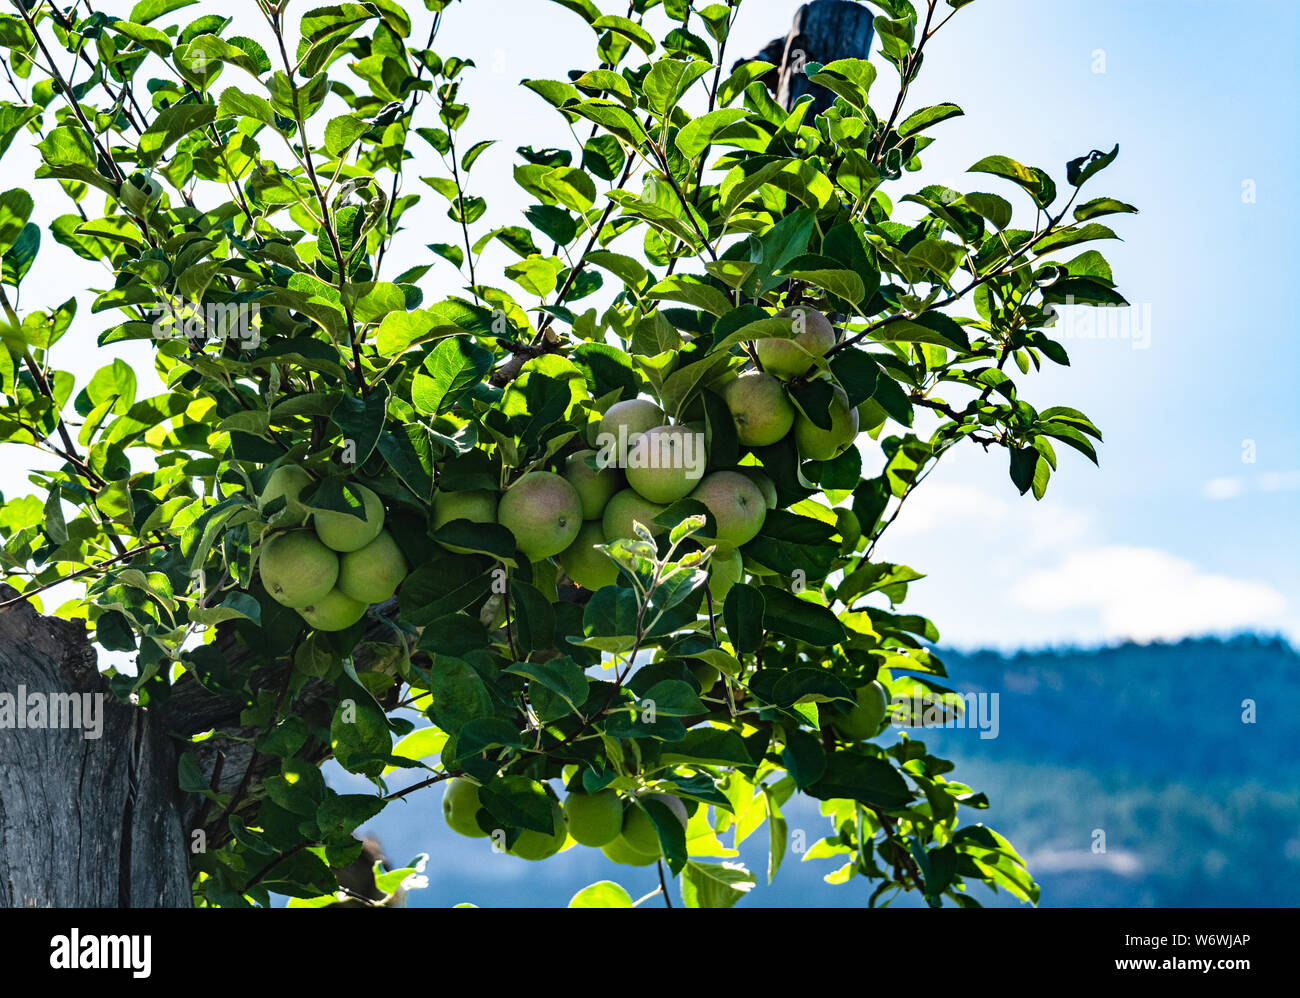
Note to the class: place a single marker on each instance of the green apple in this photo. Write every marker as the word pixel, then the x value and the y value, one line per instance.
pixel 760 408
pixel 726 568
pixel 538 845
pixel 543 511
pixel 460 804
pixel 622 423
pixel 297 569
pixel 373 573
pixel 586 565
pixel 625 507
pixel 765 484
pixel 287 481
pixel 594 819
pixel 594 486
pixel 335 611
pixel 345 532
pixel 639 830
pixel 477 506
pixel 863 720
pixel 666 462
pixel 816 444
pixel 620 852
pixel 788 358
pixel 736 504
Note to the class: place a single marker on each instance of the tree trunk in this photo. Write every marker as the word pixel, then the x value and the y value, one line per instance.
pixel 84 821
pixel 823 31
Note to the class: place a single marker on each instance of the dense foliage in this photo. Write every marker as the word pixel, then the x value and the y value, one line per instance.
pixel 245 198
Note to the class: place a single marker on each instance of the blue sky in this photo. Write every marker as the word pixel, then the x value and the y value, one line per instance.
pixel 1175 534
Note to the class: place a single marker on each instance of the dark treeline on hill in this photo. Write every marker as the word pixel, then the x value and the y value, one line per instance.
pixel 1140 748
pixel 1149 745
pixel 1163 709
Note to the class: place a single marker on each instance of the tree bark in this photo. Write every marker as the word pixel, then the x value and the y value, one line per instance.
pixel 84 822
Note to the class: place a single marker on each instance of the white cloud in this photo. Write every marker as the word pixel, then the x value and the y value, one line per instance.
pixel 1235 486
pixel 1224 488
pixel 1146 594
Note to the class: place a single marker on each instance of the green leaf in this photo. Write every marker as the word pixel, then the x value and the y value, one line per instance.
pixel 716 746
pixel 996 209
pixel 668 80
pixel 341 132
pixel 920 120
pixel 1074 236
pixel 629 29
pixel 742 616
pixel 171 125
pixel 1083 291
pixel 454 366
pixel 692 290
pixel 862 778
pixel 1077 171
pixel 715 885
pixel 696 136
pixel 1102 206
pixel 15 208
pixel 602 894
pixel 520 803
pixel 787 614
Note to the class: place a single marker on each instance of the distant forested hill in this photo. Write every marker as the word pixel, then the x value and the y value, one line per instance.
pixel 1147 744
pixel 1144 743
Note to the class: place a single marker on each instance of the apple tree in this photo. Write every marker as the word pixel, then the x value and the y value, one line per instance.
pixel 402 509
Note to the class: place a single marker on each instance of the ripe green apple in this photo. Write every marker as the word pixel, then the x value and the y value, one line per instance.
pixel 666 462
pixel 625 507
pixel 618 851
pixel 736 504
pixel 297 569
pixel 594 487
pixel 759 405
pixel 345 532
pixel 639 830
pixel 478 506
pixel 543 511
pixel 726 568
pixel 335 611
pixel 788 358
pixel 537 845
pixel 373 573
pixel 460 804
pixel 594 819
pixel 765 484
pixel 863 720
pixel 816 444
pixel 584 563
pixel 288 481
pixel 620 426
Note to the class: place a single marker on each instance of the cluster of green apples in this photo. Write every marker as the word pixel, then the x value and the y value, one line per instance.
pixel 620 828
pixel 644 464
pixel 763 411
pixel 334 569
